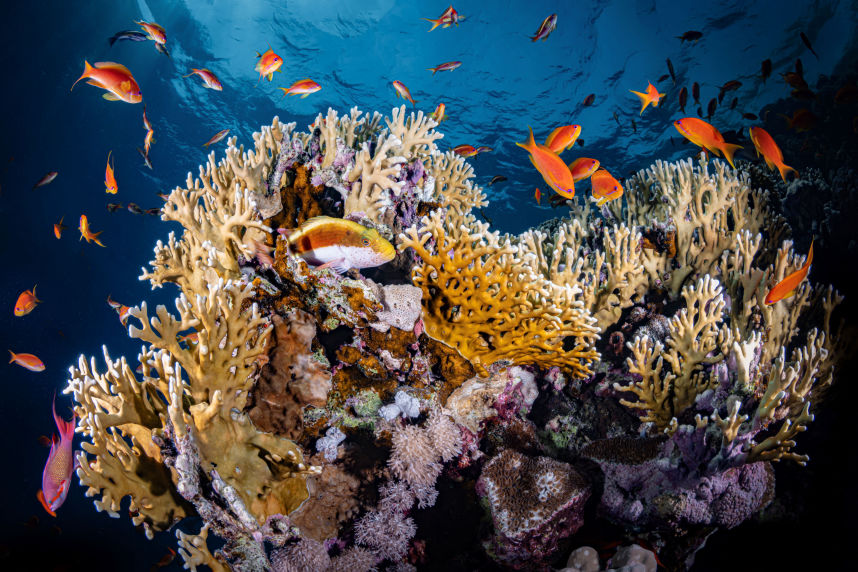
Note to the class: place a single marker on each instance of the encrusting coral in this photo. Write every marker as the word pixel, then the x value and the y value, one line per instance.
pixel 637 337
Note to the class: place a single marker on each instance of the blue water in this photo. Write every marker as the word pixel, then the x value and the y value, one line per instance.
pixel 354 49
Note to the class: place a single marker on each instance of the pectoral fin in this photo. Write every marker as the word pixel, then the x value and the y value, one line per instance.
pixel 110 97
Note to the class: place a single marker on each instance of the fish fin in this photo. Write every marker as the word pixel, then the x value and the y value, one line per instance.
pixel 435 23
pixel 789 294
pixel 41 497
pixel 112 66
pixel 338 265
pixel 96 83
pixel 34 285
pixel 13 356
pixel 784 169
pixel 644 99
pixel 87 69
pixel 304 96
pixel 530 144
pixel 769 163
pixel 809 260
pixel 728 151
pixel 271 76
pixel 601 201
pixel 110 97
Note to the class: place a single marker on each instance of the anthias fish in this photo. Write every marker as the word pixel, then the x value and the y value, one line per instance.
pixel 46 180
pixel 690 36
pixel 216 137
pixel 340 244
pixel 446 66
pixel 802 120
pixel 552 168
pixel 302 87
pixel 403 91
pixel 670 69
pixel 695 92
pixel 605 187
pixel 766 146
pixel 154 31
pixel 26 302
pixel 59 227
pixel 545 28
pixel 448 18
pixel 765 70
pixel 497 179
pixel 705 135
pixel 465 150
pixel 147 125
pixel 27 361
pixel 807 43
pixel 145 156
pixel 110 185
pixel 147 142
pixel 683 98
pixel 440 113
pixel 563 138
pixel 651 96
pixel 787 287
pixel 129 35
pixel 268 63
pixel 86 232
pixel 57 475
pixel 588 101
pixel 210 80
pixel 113 78
pixel 583 167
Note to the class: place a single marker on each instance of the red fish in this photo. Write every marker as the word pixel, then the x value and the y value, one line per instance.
pixel 449 17
pixel 268 63
pixel 146 124
pixel 440 113
pixel 446 66
pixel 26 302
pixel 537 194
pixel 86 232
pixel 57 475
pixel 545 28
pixel 115 79
pixel 705 135
pixel 210 80
pixel 216 137
pixel 401 90
pixel 27 361
pixel 50 176
pixel 147 143
pixel 770 151
pixel 109 178
pixel 552 168
pixel 465 150
pixel 59 227
pixel 303 88
pixel 583 167
pixel 787 287
pixel 154 32
pixel 651 96
pixel 563 138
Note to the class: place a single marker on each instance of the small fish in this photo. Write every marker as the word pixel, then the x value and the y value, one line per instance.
pixel 191 339
pixel 605 187
pixel 583 167
pixel 57 475
pixel 465 150
pixel 699 112
pixel 147 142
pixel 339 244
pixel 27 361
pixel 110 185
pixel 847 94
pixel 146 124
pixel 113 207
pixel 695 92
pixel 210 80
pixel 446 66
pixel 163 49
pixel 130 35
pixel 690 36
pixel 59 227
pixel 497 179
pixel 731 85
pixel 216 137
pixel 113 78
pixel 552 168
pixel 787 287
pixel 154 31
pixel 616 118
pixel 806 41
pixel 484 149
pixel 749 116
pixel 581 141
pixel 403 91
pixel 133 208
pixel 124 313
pixel 799 67
pixel 563 138
pixel 46 180
pixel 86 232
pixel 710 109
pixel 588 101
pixel 302 87
pixel 449 17
pixel 545 28
pixel 765 70
pixel 26 303
pixel 651 96
pixel 661 78
pixel 537 194
pixel 705 135
pixel 268 63
pixel 154 211
pixel 734 103
pixel 683 98
pixel 795 80
pixel 766 146
pixel 146 160
pixel 670 69
pixel 166 559
pixel 634 128
pixel 112 303
pixel 440 113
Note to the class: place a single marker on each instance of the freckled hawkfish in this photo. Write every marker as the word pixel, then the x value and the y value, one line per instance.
pixel 338 244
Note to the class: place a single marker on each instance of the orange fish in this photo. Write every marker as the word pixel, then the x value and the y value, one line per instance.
pixel 27 361
pixel 57 475
pixel 109 179
pixel 115 79
pixel 268 63
pixel 191 339
pixel 787 287
pixel 86 232
pixel 802 120
pixel 147 142
pixel 537 194
pixel 605 187
pixel 651 96
pixel 112 303
pixel 563 138
pixel 210 80
pixel 465 150
pixel 26 302
pixel 550 166
pixel 440 113
pixel 403 91
pixel 446 66
pixel 216 137
pixel 303 88
pixel 770 151
pixel 59 227
pixel 583 167
pixel 449 17
pixel 154 32
pixel 124 313
pixel 705 135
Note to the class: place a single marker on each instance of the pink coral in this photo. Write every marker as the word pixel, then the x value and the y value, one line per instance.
pixel 445 435
pixel 386 533
pixel 413 458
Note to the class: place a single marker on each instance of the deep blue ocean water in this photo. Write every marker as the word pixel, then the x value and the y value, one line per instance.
pixel 354 49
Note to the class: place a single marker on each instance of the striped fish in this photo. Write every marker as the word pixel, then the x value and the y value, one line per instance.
pixel 339 244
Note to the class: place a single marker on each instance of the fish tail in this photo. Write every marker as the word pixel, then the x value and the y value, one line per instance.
pixel 530 144
pixel 13 356
pixel 190 74
pixel 728 149
pixel 782 169
pixel 66 428
pixel 87 69
pixel 435 23
pixel 41 497
pixel 433 70
pixel 37 300
pixel 644 99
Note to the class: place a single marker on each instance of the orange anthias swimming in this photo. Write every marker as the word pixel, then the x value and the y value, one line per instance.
pixel 27 361
pixel 210 80
pixel 705 135
pixel 605 187
pixel 59 227
pixel 154 32
pixel 303 88
pixel 550 166
pixel 26 302
pixel 787 287
pixel 114 78
pixel 770 151
pixel 86 232
pixel 268 63
pixel 583 167
pixel 57 475
pixel 563 138
pixel 110 185
pixel 651 96
pixel 339 244
pixel 403 91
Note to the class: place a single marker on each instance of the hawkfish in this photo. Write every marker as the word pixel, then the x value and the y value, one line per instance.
pixel 339 244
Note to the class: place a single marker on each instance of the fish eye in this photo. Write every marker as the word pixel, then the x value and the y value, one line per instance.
pixel 365 242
